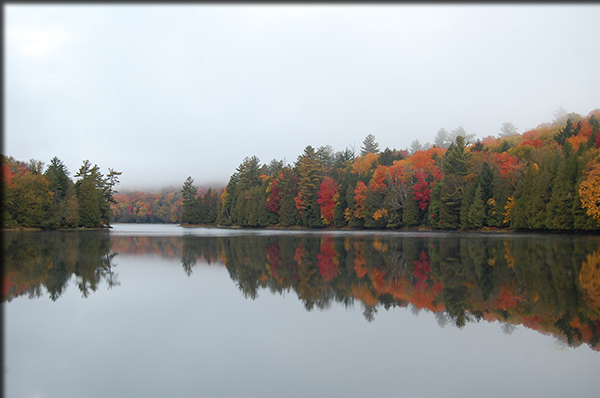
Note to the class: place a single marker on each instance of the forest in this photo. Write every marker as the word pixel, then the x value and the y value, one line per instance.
pixel 547 178
pixel 34 198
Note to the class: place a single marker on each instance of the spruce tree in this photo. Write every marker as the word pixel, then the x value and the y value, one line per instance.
pixel 310 172
pixel 189 192
pixel 540 190
pixel 58 177
pixel 369 145
pixel 477 212
pixel 559 210
pixel 89 206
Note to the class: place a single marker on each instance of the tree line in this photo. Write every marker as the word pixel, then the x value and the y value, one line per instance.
pixel 545 179
pixel 38 198
pixel 148 207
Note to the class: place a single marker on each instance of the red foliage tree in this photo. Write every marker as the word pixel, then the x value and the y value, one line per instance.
pixel 274 199
pixel 327 194
pixel 422 268
pixel 421 190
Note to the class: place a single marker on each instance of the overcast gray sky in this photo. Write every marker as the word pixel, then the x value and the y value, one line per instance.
pixel 161 92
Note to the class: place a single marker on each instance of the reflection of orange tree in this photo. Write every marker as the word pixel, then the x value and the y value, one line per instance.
pixel 507 299
pixel 359 260
pixel 589 278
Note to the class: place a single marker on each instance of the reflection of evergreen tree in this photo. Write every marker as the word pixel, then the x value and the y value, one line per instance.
pixel 456 301
pixel 56 282
pixel 49 259
pixel 91 265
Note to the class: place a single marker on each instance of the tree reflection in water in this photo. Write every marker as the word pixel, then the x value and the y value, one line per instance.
pixel 550 283
pixel 36 260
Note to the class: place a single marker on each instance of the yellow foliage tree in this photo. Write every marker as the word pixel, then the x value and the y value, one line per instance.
pixel 364 163
pixel 510 203
pixel 589 190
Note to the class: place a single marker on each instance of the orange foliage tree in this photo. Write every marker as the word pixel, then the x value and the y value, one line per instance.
pixel 360 194
pixel 589 190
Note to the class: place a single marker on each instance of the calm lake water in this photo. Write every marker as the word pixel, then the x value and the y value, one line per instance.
pixel 160 310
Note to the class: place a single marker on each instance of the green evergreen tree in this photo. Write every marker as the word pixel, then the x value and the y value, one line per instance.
pixel 433 219
pixel 466 203
pixel 58 178
pixel 247 178
pixel 535 207
pixel 477 213
pixel 567 132
pixel 211 199
pixel 389 156
pixel 310 173
pixel 95 212
pixel 559 213
pixel 369 145
pixel 229 201
pixel 189 193
pixel 89 206
pixel 286 212
pixel 454 164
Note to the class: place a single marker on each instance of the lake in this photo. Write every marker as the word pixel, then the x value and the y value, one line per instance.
pixel 161 310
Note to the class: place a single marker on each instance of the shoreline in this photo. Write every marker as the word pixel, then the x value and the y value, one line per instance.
pixel 489 230
pixel 414 229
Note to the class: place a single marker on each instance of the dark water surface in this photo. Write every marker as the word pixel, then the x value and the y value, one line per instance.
pixel 164 311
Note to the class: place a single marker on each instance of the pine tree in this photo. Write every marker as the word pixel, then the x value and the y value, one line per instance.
pixel 465 206
pixel 477 210
pixel 540 191
pixel 369 145
pixel 89 206
pixel 454 164
pixel 559 210
pixel 310 172
pixel 189 193
pixel 58 178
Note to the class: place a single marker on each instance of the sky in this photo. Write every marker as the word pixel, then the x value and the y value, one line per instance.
pixel 162 92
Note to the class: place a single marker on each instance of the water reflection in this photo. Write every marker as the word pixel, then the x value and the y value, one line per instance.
pixel 548 283
pixel 37 260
